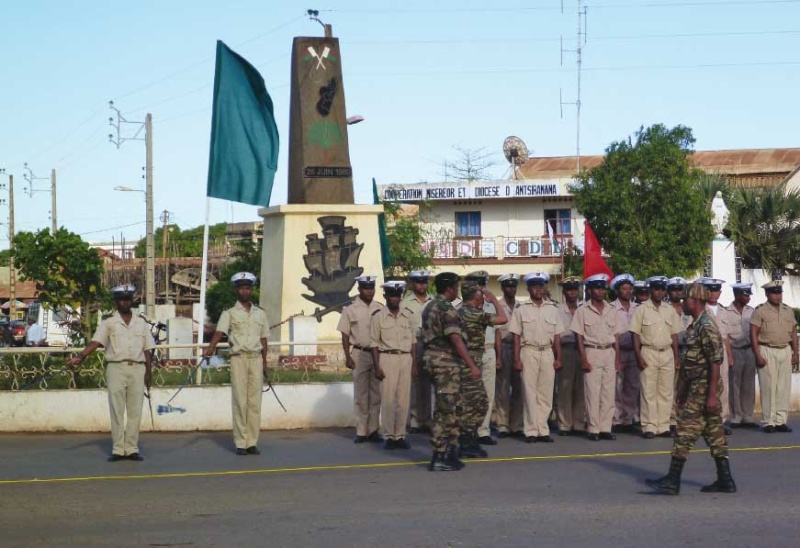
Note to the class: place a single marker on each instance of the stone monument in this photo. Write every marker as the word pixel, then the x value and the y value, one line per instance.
pixel 315 246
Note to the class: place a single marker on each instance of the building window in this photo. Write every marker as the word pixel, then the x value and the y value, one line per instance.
pixel 468 223
pixel 559 219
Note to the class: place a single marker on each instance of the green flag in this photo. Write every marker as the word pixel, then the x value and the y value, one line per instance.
pixel 244 138
pixel 386 256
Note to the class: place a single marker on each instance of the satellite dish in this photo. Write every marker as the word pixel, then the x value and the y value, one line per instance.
pixel 516 152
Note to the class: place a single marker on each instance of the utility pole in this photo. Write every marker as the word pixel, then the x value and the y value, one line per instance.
pixel 165 221
pixel 31 189
pixel 54 214
pixel 12 273
pixel 578 51
pixel 150 259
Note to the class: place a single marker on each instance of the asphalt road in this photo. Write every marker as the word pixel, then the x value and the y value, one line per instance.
pixel 316 488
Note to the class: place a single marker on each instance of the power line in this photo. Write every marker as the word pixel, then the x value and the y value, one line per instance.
pixel 517 9
pixel 517 70
pixel 111 228
pixel 505 40
pixel 207 60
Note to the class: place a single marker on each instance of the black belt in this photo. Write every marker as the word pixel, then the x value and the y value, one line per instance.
pixel 362 348
pixel 779 347
pixel 396 352
pixel 598 346
pixel 743 347
pixel 572 344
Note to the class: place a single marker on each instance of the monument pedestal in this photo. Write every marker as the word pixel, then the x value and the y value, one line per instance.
pixel 290 233
pixel 723 266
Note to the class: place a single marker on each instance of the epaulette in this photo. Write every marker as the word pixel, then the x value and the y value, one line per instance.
pixel 762 304
pixel 375 312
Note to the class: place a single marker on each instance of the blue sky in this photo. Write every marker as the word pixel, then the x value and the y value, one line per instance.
pixel 427 76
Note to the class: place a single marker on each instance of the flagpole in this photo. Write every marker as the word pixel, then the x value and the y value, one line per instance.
pixel 203 276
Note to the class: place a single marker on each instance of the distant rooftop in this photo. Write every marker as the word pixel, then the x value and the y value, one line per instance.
pixel 748 167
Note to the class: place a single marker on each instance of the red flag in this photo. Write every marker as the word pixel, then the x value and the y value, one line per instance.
pixel 593 262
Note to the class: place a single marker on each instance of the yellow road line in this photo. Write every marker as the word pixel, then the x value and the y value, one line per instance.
pixel 363 466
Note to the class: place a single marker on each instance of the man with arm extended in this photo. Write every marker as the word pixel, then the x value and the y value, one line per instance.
pixel 128 347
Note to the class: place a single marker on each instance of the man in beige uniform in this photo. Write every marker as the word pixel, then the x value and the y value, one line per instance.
pixel 773 332
pixel 247 328
pixel 393 342
pixel 128 344
pixel 508 383
pixel 655 326
pixel 420 412
pixel 715 309
pixel 354 325
pixel 570 404
pixel 675 292
pixel 595 325
pixel 626 415
pixel 736 321
pixel 537 327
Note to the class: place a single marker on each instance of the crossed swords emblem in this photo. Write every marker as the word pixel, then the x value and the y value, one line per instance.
pixel 325 52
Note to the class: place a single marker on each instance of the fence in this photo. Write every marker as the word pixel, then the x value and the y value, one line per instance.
pixel 46 368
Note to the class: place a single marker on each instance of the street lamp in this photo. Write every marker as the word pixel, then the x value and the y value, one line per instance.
pixel 150 251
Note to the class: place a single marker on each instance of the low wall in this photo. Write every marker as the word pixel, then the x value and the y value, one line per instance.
pixel 196 408
pixel 204 408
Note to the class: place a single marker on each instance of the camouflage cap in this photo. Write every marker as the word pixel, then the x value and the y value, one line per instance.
pixel 468 290
pixel 446 278
pixel 697 291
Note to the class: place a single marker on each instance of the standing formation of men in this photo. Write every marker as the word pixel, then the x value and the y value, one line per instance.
pixel 497 360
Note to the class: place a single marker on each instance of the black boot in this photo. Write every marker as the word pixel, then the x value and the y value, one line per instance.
pixel 671 483
pixel 451 457
pixel 439 463
pixel 470 448
pixel 724 483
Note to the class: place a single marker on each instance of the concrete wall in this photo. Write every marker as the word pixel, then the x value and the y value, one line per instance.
pixel 206 408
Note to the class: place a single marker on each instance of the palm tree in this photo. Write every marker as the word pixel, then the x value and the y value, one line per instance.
pixel 764 224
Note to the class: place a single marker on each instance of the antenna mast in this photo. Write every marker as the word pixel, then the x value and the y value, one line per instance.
pixel 578 51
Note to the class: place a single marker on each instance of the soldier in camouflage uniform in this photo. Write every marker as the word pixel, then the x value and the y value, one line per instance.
pixel 474 399
pixel 444 357
pixel 699 403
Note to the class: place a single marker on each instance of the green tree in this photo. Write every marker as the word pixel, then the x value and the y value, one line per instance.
pixel 407 235
pixel 645 206
pixel 246 258
pixel 67 272
pixel 5 257
pixel 183 243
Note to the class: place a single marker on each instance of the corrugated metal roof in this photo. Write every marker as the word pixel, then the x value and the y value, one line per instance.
pixel 725 162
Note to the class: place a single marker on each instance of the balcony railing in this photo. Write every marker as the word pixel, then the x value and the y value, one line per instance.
pixel 498 247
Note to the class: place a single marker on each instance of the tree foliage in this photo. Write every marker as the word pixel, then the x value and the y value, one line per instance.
pixel 183 243
pixel 246 257
pixel 408 236
pixel 764 224
pixel 645 206
pixel 67 272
